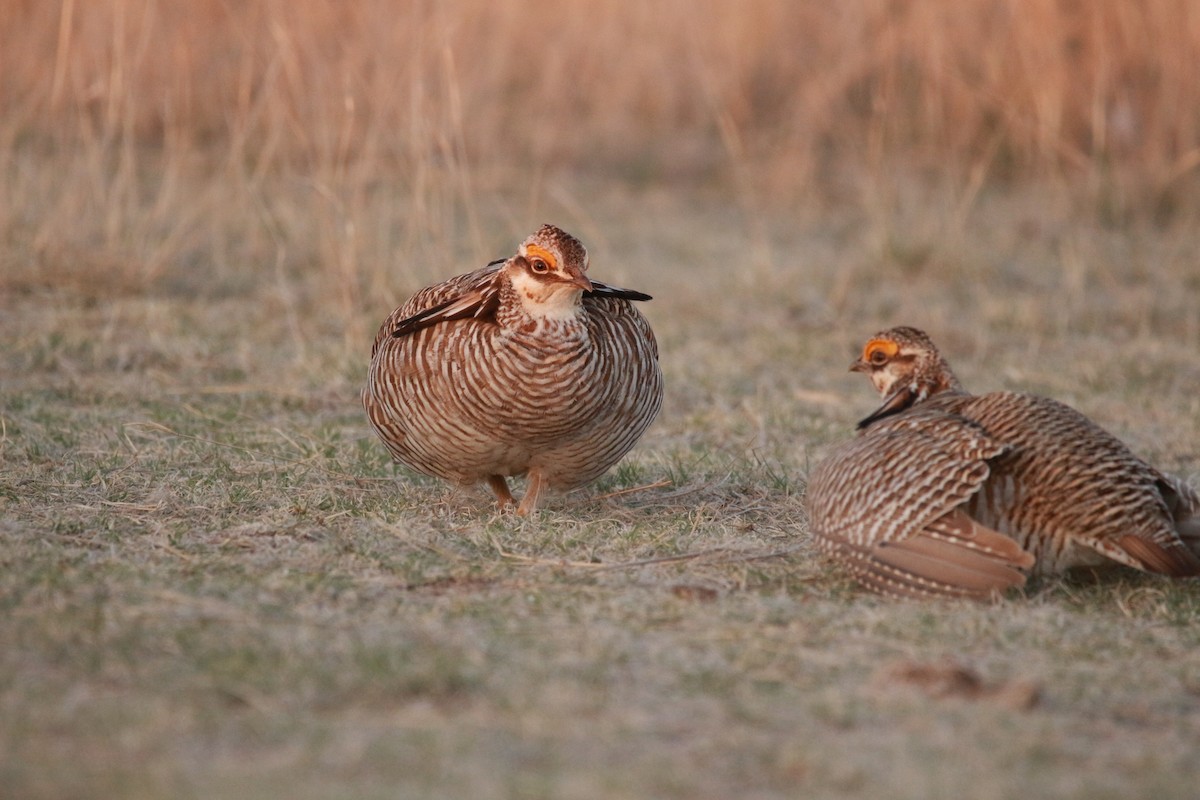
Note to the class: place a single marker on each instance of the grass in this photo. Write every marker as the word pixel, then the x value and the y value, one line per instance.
pixel 213 582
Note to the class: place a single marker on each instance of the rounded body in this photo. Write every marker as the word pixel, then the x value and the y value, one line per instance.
pixel 923 502
pixel 467 399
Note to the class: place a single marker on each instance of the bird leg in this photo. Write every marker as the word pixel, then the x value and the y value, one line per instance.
pixel 499 487
pixel 533 492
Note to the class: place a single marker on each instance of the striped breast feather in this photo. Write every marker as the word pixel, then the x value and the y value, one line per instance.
pixel 898 476
pixel 611 317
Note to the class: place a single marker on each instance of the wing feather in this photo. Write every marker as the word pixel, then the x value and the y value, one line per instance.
pixel 472 294
pixel 889 503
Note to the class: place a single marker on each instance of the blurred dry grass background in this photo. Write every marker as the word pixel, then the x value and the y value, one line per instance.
pixel 141 138
pixel 1014 88
pixel 214 583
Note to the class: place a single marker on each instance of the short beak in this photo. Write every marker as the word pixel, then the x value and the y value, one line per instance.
pixel 577 278
pixel 860 366
pixel 900 399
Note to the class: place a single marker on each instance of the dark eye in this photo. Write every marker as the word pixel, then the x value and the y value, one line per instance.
pixel 539 266
pixel 878 357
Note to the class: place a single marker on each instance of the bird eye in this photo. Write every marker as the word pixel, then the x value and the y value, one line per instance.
pixel 539 266
pixel 879 357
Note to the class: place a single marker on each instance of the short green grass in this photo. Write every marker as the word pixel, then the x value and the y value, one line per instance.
pixel 213 583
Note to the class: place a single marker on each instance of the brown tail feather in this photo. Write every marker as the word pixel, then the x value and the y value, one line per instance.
pixel 959 527
pixel 1176 561
pixel 953 556
pixel 945 563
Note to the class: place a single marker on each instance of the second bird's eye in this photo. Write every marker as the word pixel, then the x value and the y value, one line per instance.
pixel 878 357
pixel 539 266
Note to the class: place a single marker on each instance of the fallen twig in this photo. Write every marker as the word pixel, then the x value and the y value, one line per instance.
pixel 632 489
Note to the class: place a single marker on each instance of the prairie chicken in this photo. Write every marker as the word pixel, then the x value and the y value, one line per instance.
pixel 949 493
pixel 523 367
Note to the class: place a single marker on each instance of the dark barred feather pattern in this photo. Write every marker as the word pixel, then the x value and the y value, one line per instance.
pixel 1069 491
pixel 465 385
pixel 886 503
pixel 1026 482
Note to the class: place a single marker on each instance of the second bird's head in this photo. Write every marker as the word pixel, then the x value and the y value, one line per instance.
pixel 905 367
pixel 548 272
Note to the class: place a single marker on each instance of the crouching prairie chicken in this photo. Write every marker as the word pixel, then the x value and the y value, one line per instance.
pixel 949 493
pixel 523 367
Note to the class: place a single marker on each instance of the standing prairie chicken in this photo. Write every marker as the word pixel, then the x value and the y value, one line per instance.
pixel 523 367
pixel 949 493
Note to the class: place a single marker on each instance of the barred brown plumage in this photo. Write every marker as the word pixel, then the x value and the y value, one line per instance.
pixel 1025 482
pixel 522 367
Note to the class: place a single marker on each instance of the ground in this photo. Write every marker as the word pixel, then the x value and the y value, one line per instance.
pixel 216 584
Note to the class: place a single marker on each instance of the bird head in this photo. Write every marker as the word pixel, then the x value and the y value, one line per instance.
pixel 548 273
pixel 905 367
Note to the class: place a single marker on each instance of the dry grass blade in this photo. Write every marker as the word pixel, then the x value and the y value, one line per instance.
pixel 634 489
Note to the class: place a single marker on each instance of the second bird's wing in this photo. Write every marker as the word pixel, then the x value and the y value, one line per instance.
pixel 888 505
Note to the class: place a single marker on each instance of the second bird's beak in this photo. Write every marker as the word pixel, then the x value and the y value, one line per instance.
pixel 860 366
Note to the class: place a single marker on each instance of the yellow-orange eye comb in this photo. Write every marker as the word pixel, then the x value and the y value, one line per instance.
pixel 533 251
pixel 885 346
